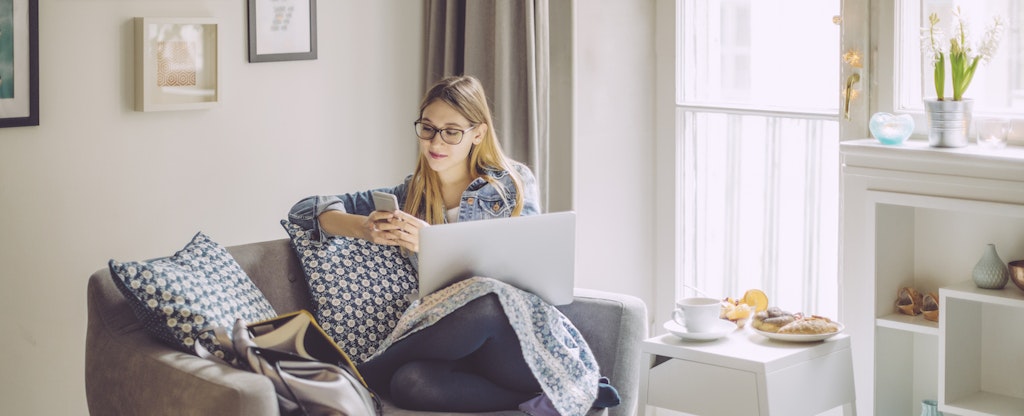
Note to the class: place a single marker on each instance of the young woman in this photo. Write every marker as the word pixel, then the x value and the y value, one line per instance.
pixel 461 175
pixel 470 360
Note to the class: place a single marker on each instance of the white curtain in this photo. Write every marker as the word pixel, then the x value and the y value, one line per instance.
pixel 504 44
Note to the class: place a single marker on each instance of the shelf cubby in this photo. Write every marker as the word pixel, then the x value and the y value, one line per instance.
pixel 980 359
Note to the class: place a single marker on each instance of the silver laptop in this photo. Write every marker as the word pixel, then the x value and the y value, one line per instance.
pixel 535 253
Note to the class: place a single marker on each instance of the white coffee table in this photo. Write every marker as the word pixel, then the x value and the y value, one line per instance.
pixel 747 374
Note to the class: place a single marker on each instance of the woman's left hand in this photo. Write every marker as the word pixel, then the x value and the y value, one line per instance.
pixel 403 230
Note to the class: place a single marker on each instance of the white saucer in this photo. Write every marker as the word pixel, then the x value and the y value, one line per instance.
pixel 721 329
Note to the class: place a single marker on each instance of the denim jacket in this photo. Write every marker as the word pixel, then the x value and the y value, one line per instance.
pixel 480 201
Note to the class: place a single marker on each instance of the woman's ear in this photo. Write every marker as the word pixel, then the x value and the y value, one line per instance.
pixel 480 132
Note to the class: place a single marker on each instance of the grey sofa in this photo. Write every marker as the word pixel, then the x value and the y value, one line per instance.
pixel 128 372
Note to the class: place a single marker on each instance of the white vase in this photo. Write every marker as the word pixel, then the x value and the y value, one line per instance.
pixel 991 271
pixel 948 122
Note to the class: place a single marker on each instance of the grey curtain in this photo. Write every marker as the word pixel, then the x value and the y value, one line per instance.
pixel 505 44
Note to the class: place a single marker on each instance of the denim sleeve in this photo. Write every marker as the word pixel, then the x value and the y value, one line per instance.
pixel 306 212
pixel 531 191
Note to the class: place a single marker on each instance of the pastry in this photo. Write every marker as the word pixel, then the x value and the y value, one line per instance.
pixel 734 311
pixel 772 319
pixel 812 325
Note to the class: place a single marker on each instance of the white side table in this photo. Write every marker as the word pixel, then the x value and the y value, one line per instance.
pixel 747 374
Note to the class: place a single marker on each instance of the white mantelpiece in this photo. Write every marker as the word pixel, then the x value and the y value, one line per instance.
pixel 921 217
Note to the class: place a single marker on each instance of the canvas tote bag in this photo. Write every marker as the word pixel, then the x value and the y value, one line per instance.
pixel 310 374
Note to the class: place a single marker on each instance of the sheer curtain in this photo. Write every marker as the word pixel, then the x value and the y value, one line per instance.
pixel 505 44
pixel 757 110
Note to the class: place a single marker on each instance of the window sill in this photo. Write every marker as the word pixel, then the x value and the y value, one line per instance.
pixel 916 156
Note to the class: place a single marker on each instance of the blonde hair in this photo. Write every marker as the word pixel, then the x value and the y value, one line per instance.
pixel 466 95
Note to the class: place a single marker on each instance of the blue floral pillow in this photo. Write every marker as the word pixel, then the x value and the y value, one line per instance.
pixel 359 289
pixel 178 298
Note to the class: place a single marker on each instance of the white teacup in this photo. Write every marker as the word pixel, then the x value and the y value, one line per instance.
pixel 697 314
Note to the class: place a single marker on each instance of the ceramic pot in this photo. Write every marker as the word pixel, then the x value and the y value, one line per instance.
pixel 930 408
pixel 1017 273
pixel 948 122
pixel 990 272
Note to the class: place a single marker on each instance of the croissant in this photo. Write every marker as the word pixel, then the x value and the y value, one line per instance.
pixel 813 325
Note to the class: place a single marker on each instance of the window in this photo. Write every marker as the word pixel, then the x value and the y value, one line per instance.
pixel 997 87
pixel 758 123
pixel 757 109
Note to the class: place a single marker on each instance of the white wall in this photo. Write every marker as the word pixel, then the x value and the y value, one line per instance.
pixel 614 145
pixel 97 180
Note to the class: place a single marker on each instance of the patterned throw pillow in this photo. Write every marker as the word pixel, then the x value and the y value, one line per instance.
pixel 178 297
pixel 359 289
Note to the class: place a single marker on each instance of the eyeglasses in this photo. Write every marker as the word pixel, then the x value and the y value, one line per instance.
pixel 451 136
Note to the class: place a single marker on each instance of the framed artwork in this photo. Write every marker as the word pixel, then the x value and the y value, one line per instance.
pixel 176 62
pixel 19 63
pixel 282 30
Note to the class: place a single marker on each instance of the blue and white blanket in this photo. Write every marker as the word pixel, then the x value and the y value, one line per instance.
pixel 552 346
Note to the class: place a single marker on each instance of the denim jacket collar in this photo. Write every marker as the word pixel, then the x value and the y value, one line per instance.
pixel 480 182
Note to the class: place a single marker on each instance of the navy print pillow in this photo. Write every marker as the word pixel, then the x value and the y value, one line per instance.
pixel 178 298
pixel 359 289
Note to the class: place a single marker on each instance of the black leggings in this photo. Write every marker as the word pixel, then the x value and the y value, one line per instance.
pixel 469 361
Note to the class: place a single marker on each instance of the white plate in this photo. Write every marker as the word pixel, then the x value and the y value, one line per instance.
pixel 800 337
pixel 721 329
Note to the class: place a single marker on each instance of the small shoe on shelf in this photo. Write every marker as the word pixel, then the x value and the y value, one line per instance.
pixel 908 301
pixel 930 307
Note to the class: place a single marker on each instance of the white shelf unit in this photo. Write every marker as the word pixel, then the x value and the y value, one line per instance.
pixel 921 217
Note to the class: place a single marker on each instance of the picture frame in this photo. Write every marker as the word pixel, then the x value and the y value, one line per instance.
pixel 19 63
pixel 282 30
pixel 176 63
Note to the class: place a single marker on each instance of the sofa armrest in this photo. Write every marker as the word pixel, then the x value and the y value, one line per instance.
pixel 127 372
pixel 613 324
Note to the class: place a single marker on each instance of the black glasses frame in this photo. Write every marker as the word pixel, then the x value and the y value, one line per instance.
pixel 443 132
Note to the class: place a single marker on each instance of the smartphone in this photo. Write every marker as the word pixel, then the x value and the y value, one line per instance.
pixel 383 201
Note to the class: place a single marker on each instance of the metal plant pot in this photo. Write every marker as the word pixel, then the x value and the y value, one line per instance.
pixel 948 122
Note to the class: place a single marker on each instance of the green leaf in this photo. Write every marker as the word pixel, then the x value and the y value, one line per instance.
pixel 965 80
pixel 957 62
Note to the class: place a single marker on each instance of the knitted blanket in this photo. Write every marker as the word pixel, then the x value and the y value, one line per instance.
pixel 553 348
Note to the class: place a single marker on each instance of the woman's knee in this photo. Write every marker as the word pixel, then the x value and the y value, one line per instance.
pixel 485 306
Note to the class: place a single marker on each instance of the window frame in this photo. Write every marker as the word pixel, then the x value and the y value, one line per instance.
pixel 887 19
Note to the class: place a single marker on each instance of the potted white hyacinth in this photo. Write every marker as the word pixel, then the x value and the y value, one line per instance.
pixel 950 117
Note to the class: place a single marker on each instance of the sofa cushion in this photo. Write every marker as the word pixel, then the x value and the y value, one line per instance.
pixel 178 298
pixel 359 289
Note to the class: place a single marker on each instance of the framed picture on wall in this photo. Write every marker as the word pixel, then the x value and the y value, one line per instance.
pixel 176 62
pixel 282 30
pixel 19 63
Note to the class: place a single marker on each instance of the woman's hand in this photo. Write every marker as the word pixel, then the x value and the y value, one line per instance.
pixel 396 228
